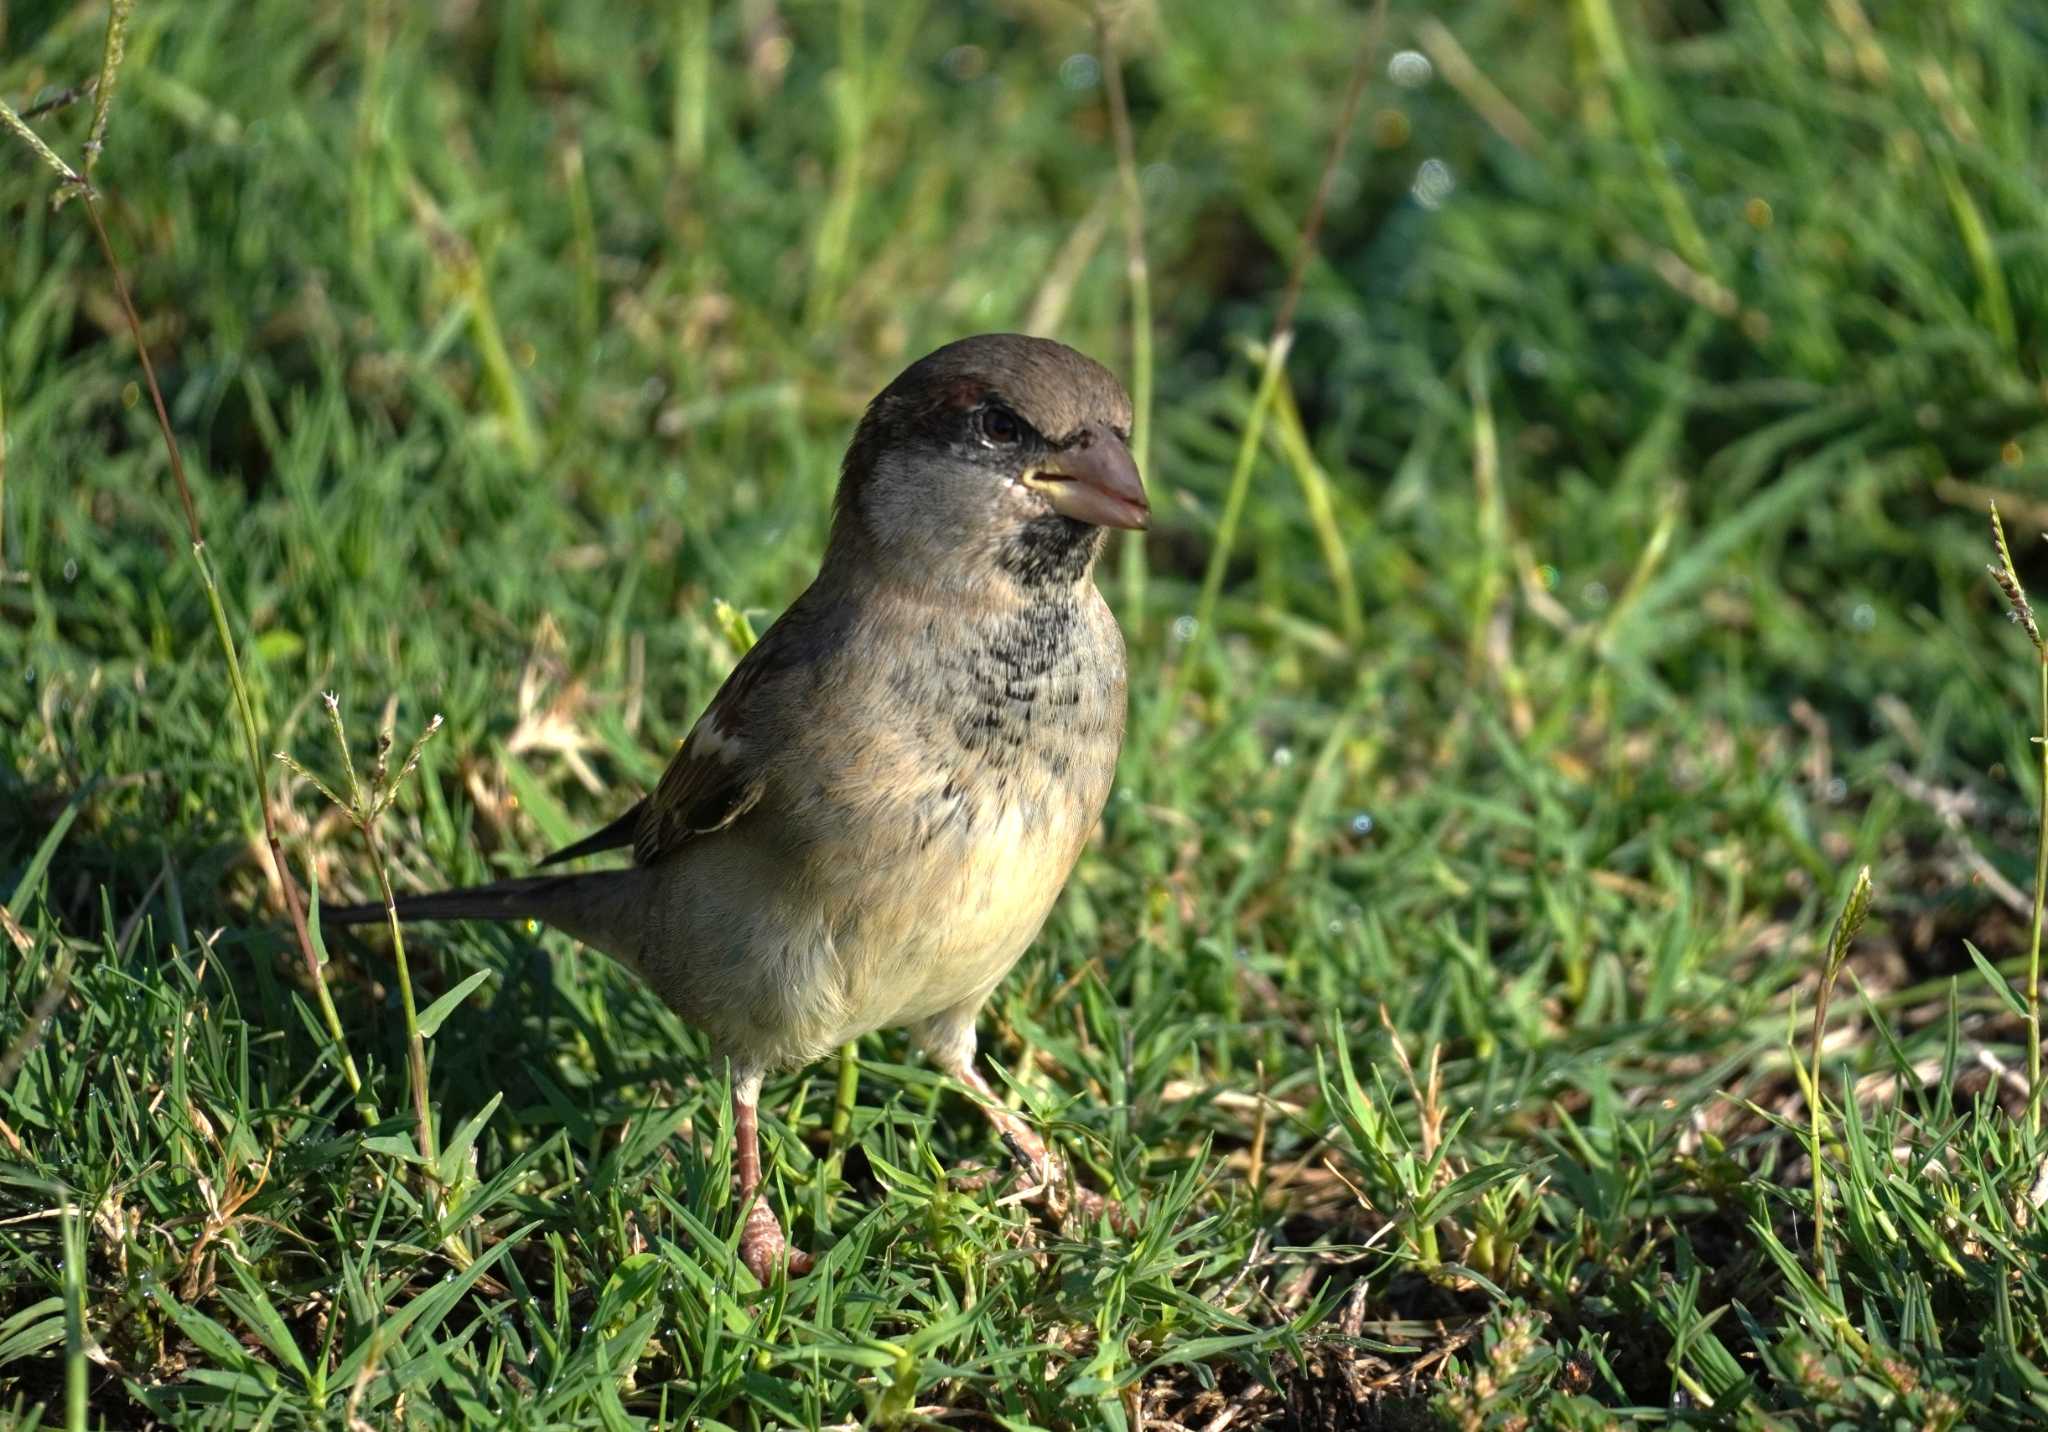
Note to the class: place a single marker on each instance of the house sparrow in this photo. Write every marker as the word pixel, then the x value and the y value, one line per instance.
pixel 870 822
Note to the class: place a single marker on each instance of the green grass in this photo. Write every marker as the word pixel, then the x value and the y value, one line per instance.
pixel 1610 591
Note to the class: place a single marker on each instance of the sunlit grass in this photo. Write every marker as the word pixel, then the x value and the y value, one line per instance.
pixel 1523 677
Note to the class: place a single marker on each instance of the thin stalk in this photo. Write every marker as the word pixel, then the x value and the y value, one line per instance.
pixel 1605 33
pixel 688 116
pixel 1132 568
pixel 844 1097
pixel 1982 248
pixel 366 1107
pixel 1815 1120
pixel 74 1319
pixel 1844 934
pixel 1322 511
pixel 501 377
pixel 2007 576
pixel 1240 479
pixel 2034 943
pixel 847 1093
pixel 463 269
pixel 1491 521
pixel 1469 80
pixel 415 1043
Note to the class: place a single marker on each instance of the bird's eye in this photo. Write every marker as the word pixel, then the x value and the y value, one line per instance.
pixel 1001 427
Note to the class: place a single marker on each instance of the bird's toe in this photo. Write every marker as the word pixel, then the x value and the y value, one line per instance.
pixel 765 1250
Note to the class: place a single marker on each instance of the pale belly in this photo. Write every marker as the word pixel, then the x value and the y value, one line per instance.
pixel 810 958
pixel 959 917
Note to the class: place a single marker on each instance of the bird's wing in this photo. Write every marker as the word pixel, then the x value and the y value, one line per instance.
pixel 714 778
pixel 721 769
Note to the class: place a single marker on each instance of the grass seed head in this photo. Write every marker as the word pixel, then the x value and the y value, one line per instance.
pixel 2008 578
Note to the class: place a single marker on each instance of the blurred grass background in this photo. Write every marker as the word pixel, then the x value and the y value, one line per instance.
pixel 1611 591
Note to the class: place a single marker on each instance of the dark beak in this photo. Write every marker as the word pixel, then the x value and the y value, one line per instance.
pixel 1092 479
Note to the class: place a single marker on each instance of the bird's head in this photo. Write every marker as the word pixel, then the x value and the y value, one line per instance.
pixel 1000 454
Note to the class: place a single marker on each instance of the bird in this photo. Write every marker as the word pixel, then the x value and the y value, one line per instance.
pixel 871 820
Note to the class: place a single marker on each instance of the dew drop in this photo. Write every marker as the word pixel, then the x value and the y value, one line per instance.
pixel 1594 594
pixel 1362 824
pixel 1184 628
pixel 70 569
pixel 1410 69
pixel 1864 617
pixel 1433 184
pixel 1283 756
pixel 1080 72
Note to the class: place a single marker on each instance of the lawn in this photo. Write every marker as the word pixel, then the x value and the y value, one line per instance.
pixel 1537 637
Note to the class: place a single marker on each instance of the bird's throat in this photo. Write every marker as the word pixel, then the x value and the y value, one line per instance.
pixel 1050 551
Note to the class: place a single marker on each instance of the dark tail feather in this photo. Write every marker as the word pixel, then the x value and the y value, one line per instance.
pixel 533 898
pixel 619 832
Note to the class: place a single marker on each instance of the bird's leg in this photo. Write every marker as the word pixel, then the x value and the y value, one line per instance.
pixel 762 1247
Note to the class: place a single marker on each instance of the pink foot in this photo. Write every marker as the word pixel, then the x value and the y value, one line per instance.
pixel 764 1250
